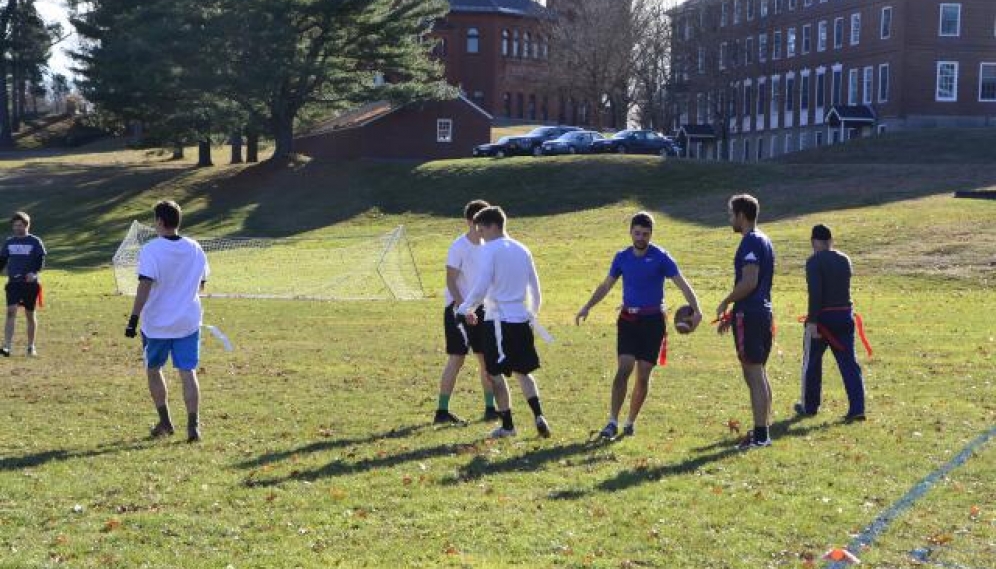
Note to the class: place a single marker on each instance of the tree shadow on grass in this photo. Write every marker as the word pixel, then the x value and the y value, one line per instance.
pixel 37 459
pixel 480 466
pixel 320 446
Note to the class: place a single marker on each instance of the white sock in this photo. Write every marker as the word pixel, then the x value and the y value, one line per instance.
pixel 614 421
pixel 629 423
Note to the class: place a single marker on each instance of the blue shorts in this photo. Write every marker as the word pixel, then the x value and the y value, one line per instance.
pixel 186 352
pixel 753 335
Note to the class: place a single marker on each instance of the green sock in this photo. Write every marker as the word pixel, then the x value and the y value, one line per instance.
pixel 444 402
pixel 489 399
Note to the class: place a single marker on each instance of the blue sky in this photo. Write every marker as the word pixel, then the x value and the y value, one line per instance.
pixel 56 11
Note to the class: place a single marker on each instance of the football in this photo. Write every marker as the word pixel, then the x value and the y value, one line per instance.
pixel 683 320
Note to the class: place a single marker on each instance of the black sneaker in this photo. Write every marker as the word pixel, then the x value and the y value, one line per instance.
pixel 800 410
pixel 5 352
pixel 193 434
pixel 629 430
pixel 161 430
pixel 750 443
pixel 447 418
pixel 491 414
pixel 855 418
pixel 542 427
pixel 609 432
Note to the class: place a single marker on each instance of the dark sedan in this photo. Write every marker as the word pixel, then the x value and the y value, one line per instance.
pixel 577 142
pixel 525 145
pixel 637 142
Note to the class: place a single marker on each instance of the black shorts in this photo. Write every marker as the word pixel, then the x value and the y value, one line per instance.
pixel 517 346
pixel 22 293
pixel 642 337
pixel 456 343
pixel 752 334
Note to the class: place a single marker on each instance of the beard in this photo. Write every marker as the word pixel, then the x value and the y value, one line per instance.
pixel 641 245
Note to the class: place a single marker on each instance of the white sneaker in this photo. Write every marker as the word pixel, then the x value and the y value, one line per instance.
pixel 501 433
pixel 32 352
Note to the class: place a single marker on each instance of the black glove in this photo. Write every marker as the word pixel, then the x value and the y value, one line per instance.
pixel 132 330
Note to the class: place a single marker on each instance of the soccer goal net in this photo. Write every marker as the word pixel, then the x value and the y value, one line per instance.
pixel 334 268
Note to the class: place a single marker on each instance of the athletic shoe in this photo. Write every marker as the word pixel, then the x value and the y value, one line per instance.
pixel 542 427
pixel 501 433
pixel 5 352
pixel 161 430
pixel 629 430
pixel 748 442
pixel 32 352
pixel 609 432
pixel 193 434
pixel 855 418
pixel 800 410
pixel 491 414
pixel 447 418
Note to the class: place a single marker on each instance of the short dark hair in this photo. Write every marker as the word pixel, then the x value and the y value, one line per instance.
pixel 491 215
pixel 643 219
pixel 745 204
pixel 821 233
pixel 471 209
pixel 169 212
pixel 22 217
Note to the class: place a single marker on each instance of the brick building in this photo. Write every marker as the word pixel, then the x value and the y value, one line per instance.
pixel 498 53
pixel 775 76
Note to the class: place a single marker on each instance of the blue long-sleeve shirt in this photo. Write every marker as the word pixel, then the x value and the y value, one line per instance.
pixel 22 255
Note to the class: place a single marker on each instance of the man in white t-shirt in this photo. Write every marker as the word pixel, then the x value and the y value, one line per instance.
pixel 506 281
pixel 172 271
pixel 461 268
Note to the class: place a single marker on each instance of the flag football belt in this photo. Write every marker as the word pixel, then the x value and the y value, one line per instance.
pixel 633 314
pixel 832 340
pixel 727 318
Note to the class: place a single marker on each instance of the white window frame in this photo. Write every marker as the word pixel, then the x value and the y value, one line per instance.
pixel 807 39
pixel 476 37
pixel 983 65
pixel 749 50
pixel 822 36
pixel 762 48
pixel 856 28
pixel 853 86
pixel 868 85
pixel 790 43
pixel 788 143
pixel 884 72
pixel 776 45
pixel 940 23
pixel 724 15
pixel 937 91
pixel 838 40
pixel 884 32
pixel 444 130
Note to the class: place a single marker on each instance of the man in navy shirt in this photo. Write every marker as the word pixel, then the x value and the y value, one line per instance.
pixel 23 255
pixel 751 319
pixel 641 328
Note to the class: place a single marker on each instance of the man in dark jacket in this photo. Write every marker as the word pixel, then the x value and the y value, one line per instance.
pixel 23 255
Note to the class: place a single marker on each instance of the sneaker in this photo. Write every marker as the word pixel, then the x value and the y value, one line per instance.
pixel 748 442
pixel 193 434
pixel 32 352
pixel 501 433
pixel 629 430
pixel 491 414
pixel 447 418
pixel 800 410
pixel 542 427
pixel 161 430
pixel 855 418
pixel 609 432
pixel 5 352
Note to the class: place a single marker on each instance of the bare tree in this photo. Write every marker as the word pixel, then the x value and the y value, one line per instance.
pixel 651 78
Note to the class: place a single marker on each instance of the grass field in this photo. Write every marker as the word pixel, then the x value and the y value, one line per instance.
pixel 318 450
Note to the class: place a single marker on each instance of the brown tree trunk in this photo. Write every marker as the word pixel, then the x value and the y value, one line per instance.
pixel 252 147
pixel 15 102
pixel 6 133
pixel 178 151
pixel 204 153
pixel 236 142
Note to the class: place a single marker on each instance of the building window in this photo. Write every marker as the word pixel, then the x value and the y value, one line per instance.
pixel 821 89
pixel 439 50
pixel 883 83
pixel 762 100
pixel 819 138
pixel 444 130
pixel 855 29
pixel 762 48
pixel 506 101
pixel 788 143
pixel 776 45
pixel 746 150
pixel 838 33
pixel 886 32
pixel 807 3
pixel 790 46
pixel 764 8
pixel 852 87
pixel 473 41
pixel 950 20
pixel 504 43
pixel 749 51
pixel 868 85
pixel 722 58
pixel 545 48
pixel 776 96
pixel 724 15
pixel 736 11
pixel 748 105
pixel 807 38
pixel 837 86
pixel 789 94
pixel 987 82
pixel 515 43
pixel 527 44
pixel 793 4
pixel 532 107
pixel 804 94
pixel 821 40
pixel 947 81
pixel 778 6
pixel 760 149
pixel 701 63
pixel 750 10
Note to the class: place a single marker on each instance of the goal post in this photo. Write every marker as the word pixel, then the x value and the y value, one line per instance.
pixel 362 267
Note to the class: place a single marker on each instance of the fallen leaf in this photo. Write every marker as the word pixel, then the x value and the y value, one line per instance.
pixel 111 525
pixel 734 426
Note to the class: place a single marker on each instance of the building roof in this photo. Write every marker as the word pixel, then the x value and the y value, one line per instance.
pixel 697 131
pixel 510 7
pixel 366 114
pixel 851 114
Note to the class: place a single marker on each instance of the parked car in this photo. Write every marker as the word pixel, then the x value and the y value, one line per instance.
pixel 576 142
pixel 525 145
pixel 638 142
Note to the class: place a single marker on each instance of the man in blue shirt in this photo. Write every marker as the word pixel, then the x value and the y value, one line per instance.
pixel 751 319
pixel 641 329
pixel 23 255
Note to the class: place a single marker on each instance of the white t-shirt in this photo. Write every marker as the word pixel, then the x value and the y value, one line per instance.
pixel 462 256
pixel 176 268
pixel 506 281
